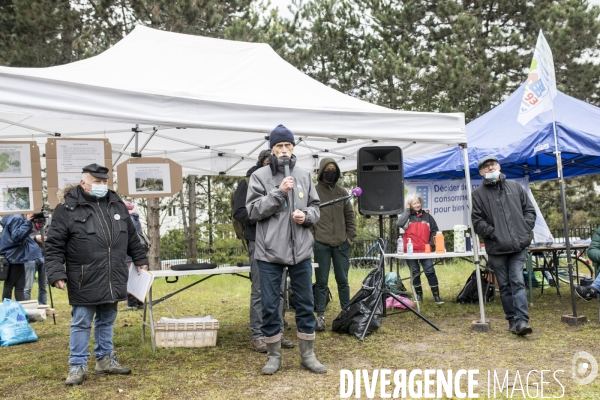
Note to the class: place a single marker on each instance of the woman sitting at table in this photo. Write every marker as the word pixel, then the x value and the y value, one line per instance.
pixel 420 228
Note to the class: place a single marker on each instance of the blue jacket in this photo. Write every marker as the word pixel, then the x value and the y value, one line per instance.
pixel 15 232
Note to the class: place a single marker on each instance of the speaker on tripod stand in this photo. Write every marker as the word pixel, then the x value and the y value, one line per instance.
pixel 381 177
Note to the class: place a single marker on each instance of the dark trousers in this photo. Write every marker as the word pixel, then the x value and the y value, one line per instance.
pixel 16 279
pixel 324 255
pixel 270 283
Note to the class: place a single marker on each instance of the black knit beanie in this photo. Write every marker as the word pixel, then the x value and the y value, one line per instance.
pixel 281 134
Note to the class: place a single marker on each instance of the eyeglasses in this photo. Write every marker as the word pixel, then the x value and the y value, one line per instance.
pixel 488 165
pixel 280 146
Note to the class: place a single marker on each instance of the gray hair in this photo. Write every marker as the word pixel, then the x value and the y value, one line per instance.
pixel 412 197
pixel 84 176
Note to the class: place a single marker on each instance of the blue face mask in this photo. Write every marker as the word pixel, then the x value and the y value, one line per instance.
pixel 99 190
pixel 492 176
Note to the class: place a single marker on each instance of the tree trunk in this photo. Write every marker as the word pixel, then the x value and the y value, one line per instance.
pixel 153 214
pixel 186 231
pixel 193 254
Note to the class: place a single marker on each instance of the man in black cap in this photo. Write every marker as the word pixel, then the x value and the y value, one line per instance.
pixel 89 238
pixel 241 214
pixel 504 216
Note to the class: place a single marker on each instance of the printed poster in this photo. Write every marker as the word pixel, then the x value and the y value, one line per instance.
pixel 15 160
pixel 149 178
pixel 447 202
pixel 16 194
pixel 73 155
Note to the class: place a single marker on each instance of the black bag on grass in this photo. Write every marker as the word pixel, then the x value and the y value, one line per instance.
pixel 354 317
pixel 469 293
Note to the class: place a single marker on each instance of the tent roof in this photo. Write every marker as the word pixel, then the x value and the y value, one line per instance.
pixel 226 96
pixel 522 150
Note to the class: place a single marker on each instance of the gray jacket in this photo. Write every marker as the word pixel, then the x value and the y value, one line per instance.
pixel 279 239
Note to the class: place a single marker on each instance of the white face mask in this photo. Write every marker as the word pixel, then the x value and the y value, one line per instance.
pixel 492 176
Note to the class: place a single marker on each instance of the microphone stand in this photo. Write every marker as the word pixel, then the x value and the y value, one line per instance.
pixel 330 202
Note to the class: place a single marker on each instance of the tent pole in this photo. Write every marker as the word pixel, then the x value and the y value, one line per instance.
pixel 482 324
pixel 573 318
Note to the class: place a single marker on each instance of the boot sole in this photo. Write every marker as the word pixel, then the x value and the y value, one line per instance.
pixel 525 331
pixel 314 372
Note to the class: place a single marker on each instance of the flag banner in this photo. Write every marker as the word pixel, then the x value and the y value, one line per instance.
pixel 540 87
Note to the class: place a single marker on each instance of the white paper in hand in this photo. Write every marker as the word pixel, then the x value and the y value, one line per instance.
pixel 138 285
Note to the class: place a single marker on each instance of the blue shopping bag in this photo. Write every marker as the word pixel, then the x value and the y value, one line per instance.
pixel 14 328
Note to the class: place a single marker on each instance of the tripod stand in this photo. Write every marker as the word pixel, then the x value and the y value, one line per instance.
pixel 385 293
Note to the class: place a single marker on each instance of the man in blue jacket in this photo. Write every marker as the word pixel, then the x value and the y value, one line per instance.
pixel 17 247
pixel 504 217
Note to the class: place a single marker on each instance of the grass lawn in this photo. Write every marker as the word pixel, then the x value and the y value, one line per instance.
pixel 231 370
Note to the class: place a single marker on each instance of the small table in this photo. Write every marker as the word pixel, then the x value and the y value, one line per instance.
pixel 424 256
pixel 209 273
pixel 552 263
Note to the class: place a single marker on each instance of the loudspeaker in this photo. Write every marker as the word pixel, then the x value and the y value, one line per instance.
pixel 381 177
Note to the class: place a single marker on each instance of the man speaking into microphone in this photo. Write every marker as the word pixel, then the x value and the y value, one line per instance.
pixel 333 235
pixel 284 203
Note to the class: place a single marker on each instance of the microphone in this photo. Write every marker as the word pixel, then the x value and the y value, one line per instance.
pixel 286 166
pixel 353 193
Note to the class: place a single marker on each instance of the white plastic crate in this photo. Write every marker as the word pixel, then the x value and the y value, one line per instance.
pixel 186 334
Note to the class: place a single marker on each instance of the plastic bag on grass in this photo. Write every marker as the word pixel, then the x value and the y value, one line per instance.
pixel 14 328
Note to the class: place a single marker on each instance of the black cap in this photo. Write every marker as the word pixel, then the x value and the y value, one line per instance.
pixel 97 171
pixel 485 159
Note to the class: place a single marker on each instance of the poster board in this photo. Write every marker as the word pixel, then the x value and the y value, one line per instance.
pixel 65 158
pixel 447 202
pixel 149 177
pixel 20 177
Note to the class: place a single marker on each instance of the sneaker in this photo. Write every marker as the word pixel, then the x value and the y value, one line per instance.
pixel 259 345
pixel 110 365
pixel 587 293
pixel 286 344
pixel 77 374
pixel 321 326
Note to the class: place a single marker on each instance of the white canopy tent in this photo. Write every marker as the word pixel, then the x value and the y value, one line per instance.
pixel 207 104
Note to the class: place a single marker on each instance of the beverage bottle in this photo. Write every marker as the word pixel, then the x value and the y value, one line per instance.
pixel 409 247
pixel 468 245
pixel 440 247
pixel 400 244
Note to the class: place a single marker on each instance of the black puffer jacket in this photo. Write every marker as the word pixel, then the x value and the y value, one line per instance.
pixel 78 251
pixel 503 215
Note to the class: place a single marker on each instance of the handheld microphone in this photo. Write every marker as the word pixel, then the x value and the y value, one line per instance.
pixel 286 165
pixel 353 193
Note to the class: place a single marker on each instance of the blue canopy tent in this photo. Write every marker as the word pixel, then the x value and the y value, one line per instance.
pixel 522 150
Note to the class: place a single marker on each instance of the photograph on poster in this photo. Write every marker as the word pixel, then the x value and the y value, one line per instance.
pixel 73 155
pixel 15 160
pixel 149 178
pixel 16 194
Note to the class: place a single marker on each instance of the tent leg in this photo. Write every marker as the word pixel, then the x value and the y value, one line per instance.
pixel 482 324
